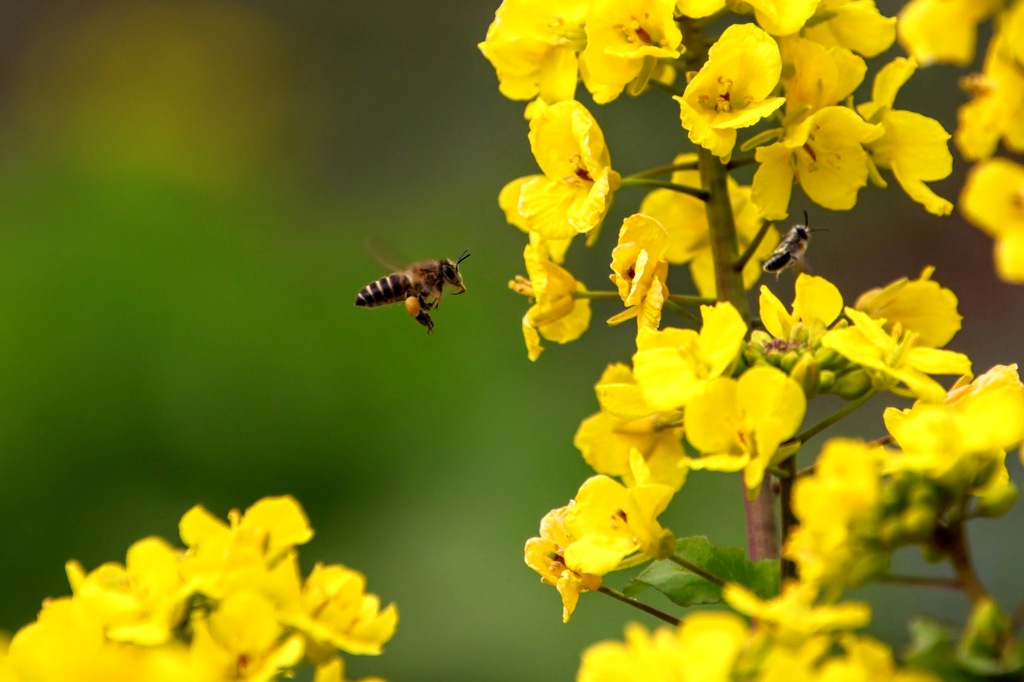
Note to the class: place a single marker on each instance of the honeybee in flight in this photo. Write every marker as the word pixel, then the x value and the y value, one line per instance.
pixel 791 249
pixel 419 285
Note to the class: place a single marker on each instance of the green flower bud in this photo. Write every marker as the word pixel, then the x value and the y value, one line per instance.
pixel 789 360
pixel 997 502
pixel 805 372
pixel 826 380
pixel 918 523
pixel 829 359
pixel 852 385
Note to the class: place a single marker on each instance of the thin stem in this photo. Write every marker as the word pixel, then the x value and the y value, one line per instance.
pixel 921 581
pixel 696 570
pixel 662 170
pixel 633 181
pixel 638 605
pixel 789 521
pixel 740 162
pixel 681 311
pixel 952 540
pixel 741 262
pixel 685 299
pixel 836 416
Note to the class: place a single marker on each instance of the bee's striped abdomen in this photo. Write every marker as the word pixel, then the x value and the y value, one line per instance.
pixel 390 289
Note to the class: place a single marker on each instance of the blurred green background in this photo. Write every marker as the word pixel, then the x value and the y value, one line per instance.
pixel 186 193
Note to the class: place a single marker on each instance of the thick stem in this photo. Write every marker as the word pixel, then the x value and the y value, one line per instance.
pixel 762 540
pixel 789 521
pixel 953 541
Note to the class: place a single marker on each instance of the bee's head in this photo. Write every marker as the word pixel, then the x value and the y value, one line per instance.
pixel 450 272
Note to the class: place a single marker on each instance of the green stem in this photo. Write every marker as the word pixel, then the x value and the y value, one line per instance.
pixel 836 416
pixel 634 181
pixel 741 161
pixel 662 170
pixel 752 248
pixel 681 311
pixel 686 299
pixel 760 512
pixel 638 605
pixel 696 570
pixel 952 540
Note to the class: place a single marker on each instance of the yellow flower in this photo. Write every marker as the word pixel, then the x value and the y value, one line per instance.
pixel 638 262
pixel 574 192
pixel 855 24
pixel 140 602
pixel 609 522
pixel 698 9
pixel 508 201
pixel 996 111
pixel 705 647
pixel 824 153
pixel 336 612
pixel 961 443
pixel 867 659
pixel 793 616
pixel 625 38
pixel 672 366
pixel 835 506
pixel 533 46
pixel 732 89
pixel 556 313
pixel 816 76
pixel 626 423
pixel 334 671
pixel 913 146
pixel 741 424
pixel 685 219
pixel 895 357
pixel 242 639
pixel 943 30
pixel 922 306
pixel 816 305
pixel 783 17
pixel 993 199
pixel 546 555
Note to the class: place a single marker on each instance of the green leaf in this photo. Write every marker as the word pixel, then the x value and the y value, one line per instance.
pixel 727 563
pixel 932 648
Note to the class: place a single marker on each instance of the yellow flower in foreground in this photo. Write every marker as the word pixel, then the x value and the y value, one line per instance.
pixel 993 199
pixel 672 366
pixel 705 646
pixel 546 555
pixel 921 305
pixel 140 602
pixel 836 505
pixel 914 147
pixel 740 424
pixel 895 358
pixel 824 153
pixel 793 616
pixel 732 89
pixel 816 305
pixel 556 313
pixel 855 24
pixel 508 201
pixel 574 192
pixel 336 612
pixel 533 44
pixel 943 30
pixel 783 17
pixel 609 522
pixel 624 39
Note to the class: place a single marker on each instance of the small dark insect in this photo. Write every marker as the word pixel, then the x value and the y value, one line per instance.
pixel 419 286
pixel 791 249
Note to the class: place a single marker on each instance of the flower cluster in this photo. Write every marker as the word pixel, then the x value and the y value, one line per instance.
pixel 993 197
pixel 233 605
pixel 766 89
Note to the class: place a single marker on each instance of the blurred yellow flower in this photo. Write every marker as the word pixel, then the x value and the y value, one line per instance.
pixel 993 199
pixel 732 90
pixel 943 30
pixel 705 647
pixel 922 305
pixel 996 110
pixel 854 24
pixel 815 76
pixel 793 616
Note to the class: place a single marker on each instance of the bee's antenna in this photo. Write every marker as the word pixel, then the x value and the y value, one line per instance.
pixel 807 221
pixel 807 224
pixel 464 256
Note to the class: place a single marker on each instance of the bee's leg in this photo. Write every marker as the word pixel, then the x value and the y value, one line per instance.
pixel 417 308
